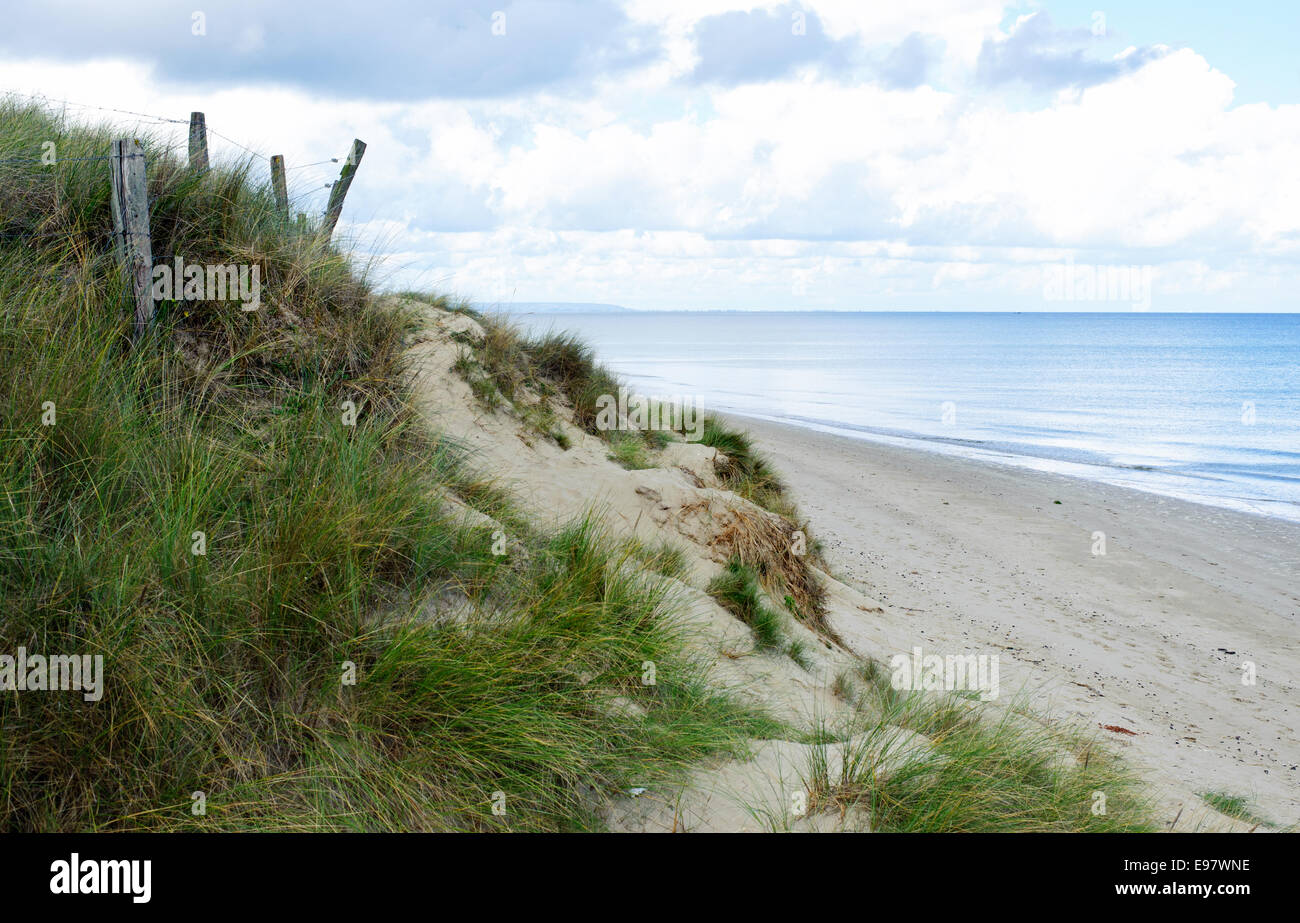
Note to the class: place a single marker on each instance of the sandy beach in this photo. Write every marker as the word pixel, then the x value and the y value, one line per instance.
pixel 1154 636
pixel 1144 646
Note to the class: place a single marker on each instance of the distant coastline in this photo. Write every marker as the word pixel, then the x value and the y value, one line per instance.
pixel 551 307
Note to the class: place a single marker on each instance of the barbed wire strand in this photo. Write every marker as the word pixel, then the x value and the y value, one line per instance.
pixel 302 166
pixel 67 102
pixel 59 160
pixel 47 100
pixel 164 119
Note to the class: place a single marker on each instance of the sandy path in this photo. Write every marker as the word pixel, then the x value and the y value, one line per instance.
pixel 1151 636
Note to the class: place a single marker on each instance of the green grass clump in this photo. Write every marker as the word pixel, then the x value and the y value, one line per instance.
pixel 798 652
pixel 993 775
pixel 744 470
pixel 663 558
pixel 483 388
pixel 738 591
pixel 1237 806
pixel 978 768
pixel 289 662
pixel 629 450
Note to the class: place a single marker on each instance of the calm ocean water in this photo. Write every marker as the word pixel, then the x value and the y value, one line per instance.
pixel 1200 406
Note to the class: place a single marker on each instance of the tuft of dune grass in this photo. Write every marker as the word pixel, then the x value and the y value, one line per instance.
pixel 1237 806
pixel 975 768
pixel 744 470
pixel 663 558
pixel 737 590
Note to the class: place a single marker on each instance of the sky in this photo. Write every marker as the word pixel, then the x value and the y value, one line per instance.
pixel 711 154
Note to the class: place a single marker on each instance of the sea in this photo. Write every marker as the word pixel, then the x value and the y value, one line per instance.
pixel 1205 407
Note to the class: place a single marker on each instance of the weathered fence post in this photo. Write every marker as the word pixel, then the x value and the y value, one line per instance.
pixel 279 185
pixel 340 188
pixel 198 141
pixel 130 201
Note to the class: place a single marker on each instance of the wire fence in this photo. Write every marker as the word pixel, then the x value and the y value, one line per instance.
pixel 319 181
pixel 42 163
pixel 132 206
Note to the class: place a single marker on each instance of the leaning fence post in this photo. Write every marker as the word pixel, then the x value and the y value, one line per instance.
pixel 340 189
pixel 279 185
pixel 198 141
pixel 130 201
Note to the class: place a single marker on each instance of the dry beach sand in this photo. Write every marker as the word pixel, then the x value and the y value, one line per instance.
pixel 1151 636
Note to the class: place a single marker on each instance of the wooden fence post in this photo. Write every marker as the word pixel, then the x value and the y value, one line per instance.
pixel 279 185
pixel 340 188
pixel 130 202
pixel 198 141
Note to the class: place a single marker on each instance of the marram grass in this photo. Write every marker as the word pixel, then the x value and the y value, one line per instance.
pixel 227 671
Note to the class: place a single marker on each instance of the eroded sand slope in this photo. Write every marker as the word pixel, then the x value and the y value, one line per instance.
pixel 681 501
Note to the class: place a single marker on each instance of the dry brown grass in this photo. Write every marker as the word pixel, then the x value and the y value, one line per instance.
pixel 767 543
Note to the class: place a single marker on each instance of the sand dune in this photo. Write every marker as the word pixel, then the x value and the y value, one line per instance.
pixel 955 558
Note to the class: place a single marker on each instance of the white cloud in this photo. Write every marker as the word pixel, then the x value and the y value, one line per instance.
pixel 808 191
